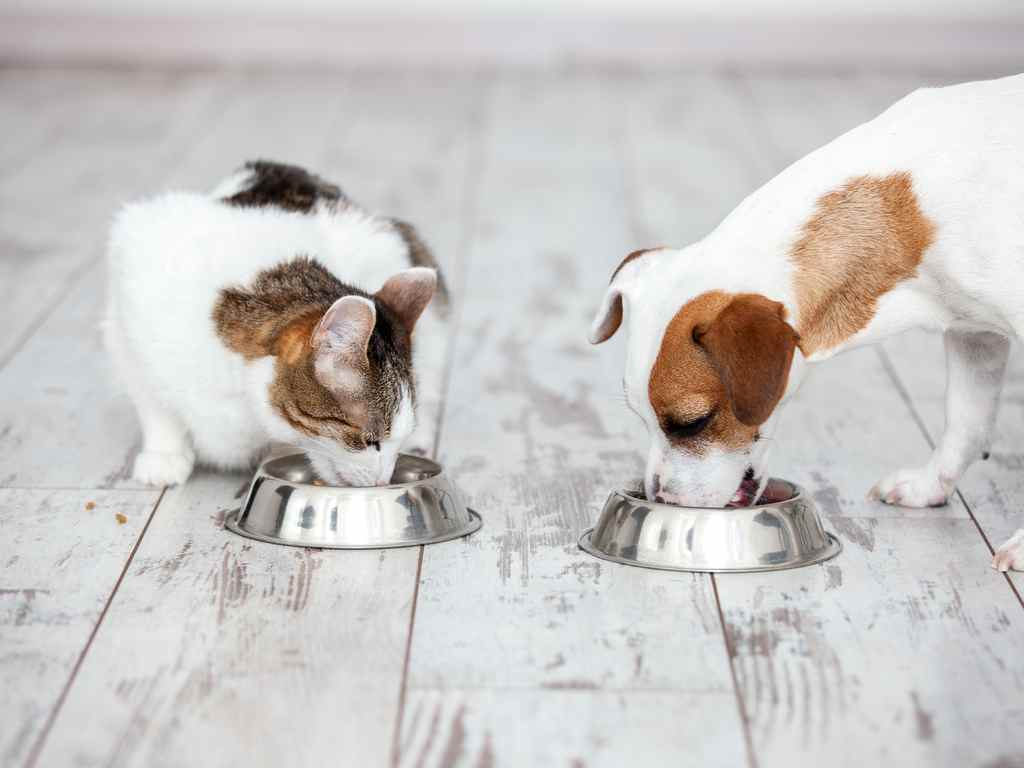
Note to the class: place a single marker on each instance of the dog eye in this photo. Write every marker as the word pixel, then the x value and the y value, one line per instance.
pixel 681 430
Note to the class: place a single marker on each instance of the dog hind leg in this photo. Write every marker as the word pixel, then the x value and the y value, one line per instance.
pixel 975 369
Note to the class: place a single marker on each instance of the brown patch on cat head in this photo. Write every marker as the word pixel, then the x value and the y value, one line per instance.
pixel 633 257
pixel 293 343
pixel 337 374
pixel 722 354
pixel 863 239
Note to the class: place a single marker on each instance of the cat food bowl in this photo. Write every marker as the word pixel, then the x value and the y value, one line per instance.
pixel 783 530
pixel 288 504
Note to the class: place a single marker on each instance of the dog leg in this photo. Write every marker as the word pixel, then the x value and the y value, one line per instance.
pixel 975 366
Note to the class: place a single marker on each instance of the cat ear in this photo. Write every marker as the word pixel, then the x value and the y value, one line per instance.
pixel 343 333
pixel 408 293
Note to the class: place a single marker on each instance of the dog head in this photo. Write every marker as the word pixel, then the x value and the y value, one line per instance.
pixel 705 370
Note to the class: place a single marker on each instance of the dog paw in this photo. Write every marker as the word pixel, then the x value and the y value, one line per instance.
pixel 1010 556
pixel 160 469
pixel 913 488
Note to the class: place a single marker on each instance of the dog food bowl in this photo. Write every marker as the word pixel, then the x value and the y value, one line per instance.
pixel 287 504
pixel 782 530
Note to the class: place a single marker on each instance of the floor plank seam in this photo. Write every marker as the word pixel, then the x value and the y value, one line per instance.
pixel 396 738
pixel 729 654
pixel 37 747
pixel 905 396
pixel 901 390
pixel 470 212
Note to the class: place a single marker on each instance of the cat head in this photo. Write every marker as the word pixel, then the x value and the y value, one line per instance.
pixel 341 383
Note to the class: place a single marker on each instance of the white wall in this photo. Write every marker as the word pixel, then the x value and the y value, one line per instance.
pixel 930 10
pixel 959 35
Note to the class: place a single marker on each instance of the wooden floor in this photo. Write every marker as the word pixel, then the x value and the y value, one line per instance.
pixel 135 631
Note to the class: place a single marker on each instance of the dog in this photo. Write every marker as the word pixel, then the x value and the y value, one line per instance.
pixel 912 220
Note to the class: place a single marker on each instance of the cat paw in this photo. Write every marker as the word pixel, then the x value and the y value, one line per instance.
pixel 160 469
pixel 1010 556
pixel 922 487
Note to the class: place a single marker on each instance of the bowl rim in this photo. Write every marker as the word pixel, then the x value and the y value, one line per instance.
pixel 348 488
pixel 798 493
pixel 232 522
pixel 834 548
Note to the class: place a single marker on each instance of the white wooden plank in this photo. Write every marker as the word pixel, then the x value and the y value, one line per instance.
pixel 116 135
pixel 62 553
pixel 212 638
pixel 516 617
pixel 900 652
pixel 897 650
pixel 220 651
pixel 61 423
pixel 575 728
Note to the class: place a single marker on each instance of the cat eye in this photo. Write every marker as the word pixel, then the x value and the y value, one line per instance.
pixel 681 430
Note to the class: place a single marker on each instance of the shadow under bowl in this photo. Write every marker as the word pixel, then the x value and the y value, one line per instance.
pixel 287 504
pixel 783 530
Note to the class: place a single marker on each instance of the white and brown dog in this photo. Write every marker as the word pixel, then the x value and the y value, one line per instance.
pixel 915 219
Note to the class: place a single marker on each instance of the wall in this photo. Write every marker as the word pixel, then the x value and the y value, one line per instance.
pixel 717 9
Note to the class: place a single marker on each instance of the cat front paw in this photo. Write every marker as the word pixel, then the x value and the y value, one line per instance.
pixel 160 469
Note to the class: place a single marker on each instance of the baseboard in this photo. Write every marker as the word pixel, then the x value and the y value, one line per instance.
pixel 401 42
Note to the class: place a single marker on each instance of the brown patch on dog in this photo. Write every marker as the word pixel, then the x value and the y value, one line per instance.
pixel 684 385
pixel 632 257
pixel 723 354
pixel 751 346
pixel 863 239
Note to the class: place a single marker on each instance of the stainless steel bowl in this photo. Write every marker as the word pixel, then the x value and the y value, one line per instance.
pixel 287 504
pixel 782 530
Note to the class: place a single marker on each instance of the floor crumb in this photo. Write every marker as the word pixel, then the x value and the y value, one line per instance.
pixel 90 506
pixel 121 519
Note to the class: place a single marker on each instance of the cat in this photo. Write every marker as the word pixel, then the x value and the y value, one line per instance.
pixel 234 321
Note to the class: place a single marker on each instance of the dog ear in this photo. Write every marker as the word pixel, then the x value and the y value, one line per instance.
pixel 609 314
pixel 751 348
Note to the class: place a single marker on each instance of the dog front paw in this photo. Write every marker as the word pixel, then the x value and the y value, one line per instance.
pixel 922 487
pixel 160 469
pixel 1010 556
